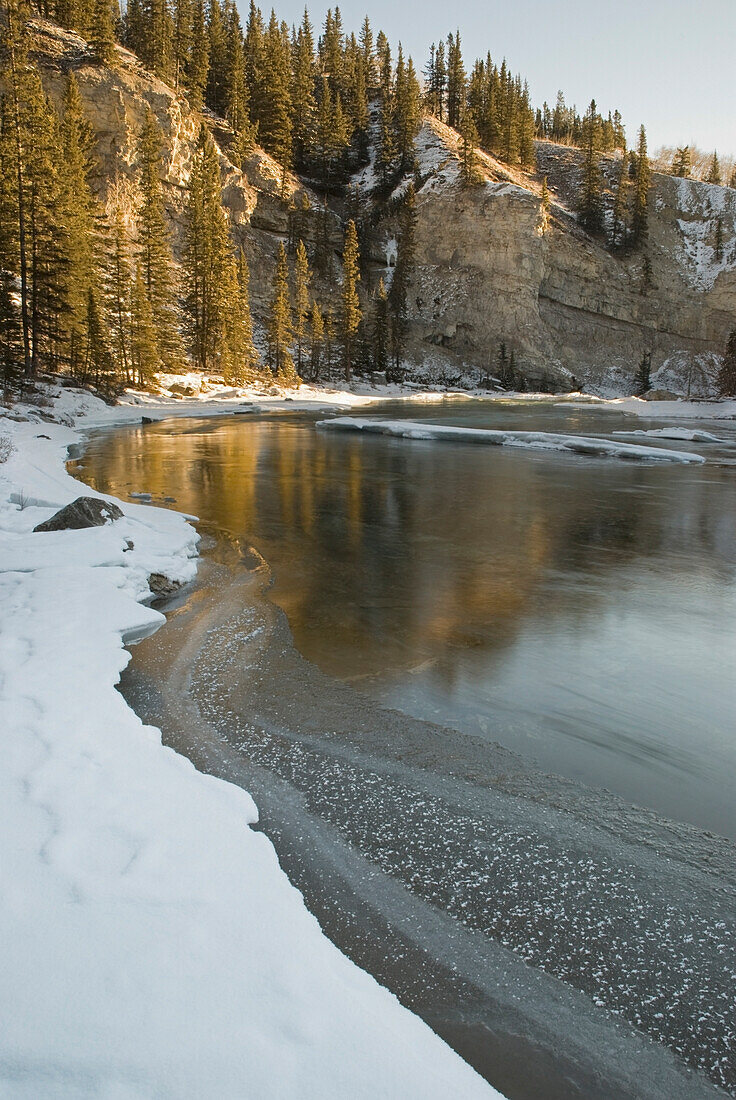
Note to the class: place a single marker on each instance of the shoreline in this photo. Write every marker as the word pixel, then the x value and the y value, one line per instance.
pixel 134 882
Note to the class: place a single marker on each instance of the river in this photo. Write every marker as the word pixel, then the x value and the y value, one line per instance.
pixel 485 701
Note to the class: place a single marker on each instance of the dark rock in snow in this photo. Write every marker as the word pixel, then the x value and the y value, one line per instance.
pixel 162 586
pixel 82 512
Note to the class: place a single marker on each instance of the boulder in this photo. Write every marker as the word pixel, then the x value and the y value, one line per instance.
pixel 82 512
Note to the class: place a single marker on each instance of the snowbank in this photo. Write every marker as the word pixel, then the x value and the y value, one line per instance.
pixel 544 441
pixel 151 945
pixel 691 435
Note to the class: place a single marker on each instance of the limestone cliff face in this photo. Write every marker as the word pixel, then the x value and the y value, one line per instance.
pixel 116 100
pixel 487 272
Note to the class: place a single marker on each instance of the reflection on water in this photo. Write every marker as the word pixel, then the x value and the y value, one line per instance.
pixel 581 611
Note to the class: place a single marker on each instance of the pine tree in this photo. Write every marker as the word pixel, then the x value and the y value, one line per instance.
pixel 119 289
pixel 351 313
pixel 99 365
pixel 590 202
pixel 279 321
pixel 238 357
pixel 642 382
pixel 640 213
pixel 155 248
pixel 303 105
pixel 274 102
pixel 455 80
pixel 317 336
pixel 406 111
pixel 182 38
pixel 198 61
pixel 144 349
pixel 682 164
pixel 727 372
pixel 714 173
pixel 215 95
pixel 11 339
pixel 102 37
pixel 302 279
pixel 211 280
pixel 469 172
pixel 78 212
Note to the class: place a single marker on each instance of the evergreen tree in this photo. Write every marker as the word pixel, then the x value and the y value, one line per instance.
pixel 144 349
pixel 302 279
pixel 211 279
pixel 590 201
pixel 182 37
pixel 238 357
pixel 303 105
pixel 714 172
pixel 406 111
pixel 279 321
pixel 682 164
pixel 11 338
pixel 102 37
pixel 155 248
pixel 544 208
pixel 317 336
pixel 455 80
pixel 732 179
pixel 119 290
pixel 469 172
pixel 79 214
pixel 642 179
pixel 216 93
pixel 274 102
pixel 727 372
pixel 99 366
pixel 198 61
pixel 351 314
pixel 642 383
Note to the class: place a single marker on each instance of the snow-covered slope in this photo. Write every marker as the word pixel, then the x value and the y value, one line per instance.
pixel 151 945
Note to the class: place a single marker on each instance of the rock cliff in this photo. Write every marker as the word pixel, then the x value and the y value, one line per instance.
pixel 486 271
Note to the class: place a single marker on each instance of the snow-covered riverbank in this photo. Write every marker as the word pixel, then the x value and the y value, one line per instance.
pixel 151 944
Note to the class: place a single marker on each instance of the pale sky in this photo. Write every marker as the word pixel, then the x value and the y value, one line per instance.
pixel 670 64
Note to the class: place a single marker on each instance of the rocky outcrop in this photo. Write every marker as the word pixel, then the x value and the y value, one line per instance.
pixel 487 273
pixel 82 512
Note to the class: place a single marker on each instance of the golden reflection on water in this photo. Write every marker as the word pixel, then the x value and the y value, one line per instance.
pixel 388 554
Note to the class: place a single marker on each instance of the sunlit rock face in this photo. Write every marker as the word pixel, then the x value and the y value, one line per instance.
pixel 489 269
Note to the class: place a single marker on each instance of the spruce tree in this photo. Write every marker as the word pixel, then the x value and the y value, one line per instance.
pixel 590 201
pixel 727 372
pixel 211 279
pixel 682 164
pixel 642 179
pixel 99 366
pixel 470 174
pixel 11 338
pixel 198 61
pixel 102 37
pixel 279 321
pixel 144 348
pixel 119 290
pixel 455 80
pixel 155 248
pixel 714 172
pixel 302 279
pixel 238 357
pixel 351 313
pixel 317 336
pixel 642 382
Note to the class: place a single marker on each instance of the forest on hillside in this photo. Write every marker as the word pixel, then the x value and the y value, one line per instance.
pixel 80 293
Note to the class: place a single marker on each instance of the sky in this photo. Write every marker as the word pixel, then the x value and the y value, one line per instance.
pixel 666 63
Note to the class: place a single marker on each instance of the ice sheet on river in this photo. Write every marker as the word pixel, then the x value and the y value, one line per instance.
pixel 538 441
